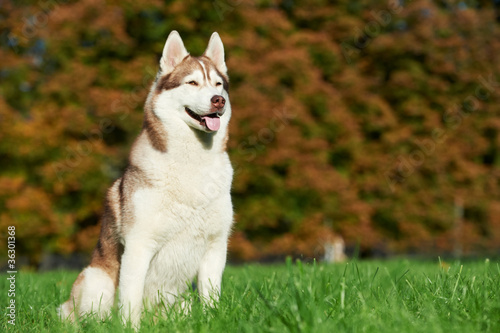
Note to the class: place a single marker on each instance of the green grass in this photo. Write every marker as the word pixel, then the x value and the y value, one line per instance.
pixel 365 296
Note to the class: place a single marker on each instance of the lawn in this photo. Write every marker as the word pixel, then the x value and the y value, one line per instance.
pixel 359 296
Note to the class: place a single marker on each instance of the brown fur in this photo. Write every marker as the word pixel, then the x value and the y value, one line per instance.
pixel 209 65
pixel 155 131
pixel 174 79
pixel 133 179
pixel 117 207
pixel 187 66
pixel 108 251
pixel 226 138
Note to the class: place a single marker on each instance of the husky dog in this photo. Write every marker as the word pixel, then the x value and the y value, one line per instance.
pixel 168 218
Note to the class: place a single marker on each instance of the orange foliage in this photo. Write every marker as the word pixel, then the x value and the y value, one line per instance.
pixel 364 120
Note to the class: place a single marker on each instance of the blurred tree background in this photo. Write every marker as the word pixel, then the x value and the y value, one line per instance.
pixel 373 120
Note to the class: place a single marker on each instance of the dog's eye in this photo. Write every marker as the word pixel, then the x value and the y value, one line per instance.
pixel 193 83
pixel 218 84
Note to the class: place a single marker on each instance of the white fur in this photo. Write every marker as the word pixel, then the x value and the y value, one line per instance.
pixel 181 227
pixel 98 292
pixel 215 51
pixel 173 52
pixel 95 295
pixel 170 106
pixel 180 221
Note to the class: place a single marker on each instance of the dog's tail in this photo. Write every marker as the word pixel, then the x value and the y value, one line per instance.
pixel 93 293
pixel 94 289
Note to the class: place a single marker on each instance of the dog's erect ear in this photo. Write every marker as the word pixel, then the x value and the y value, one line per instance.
pixel 173 53
pixel 215 51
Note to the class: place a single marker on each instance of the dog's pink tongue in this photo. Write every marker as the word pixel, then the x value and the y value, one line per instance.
pixel 213 124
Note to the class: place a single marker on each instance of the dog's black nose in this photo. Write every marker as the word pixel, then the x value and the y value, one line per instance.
pixel 218 101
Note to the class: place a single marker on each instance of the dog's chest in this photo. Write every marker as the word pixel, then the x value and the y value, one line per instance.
pixel 183 213
pixel 195 185
pixel 185 199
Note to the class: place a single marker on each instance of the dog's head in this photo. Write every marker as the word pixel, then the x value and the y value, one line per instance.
pixel 194 89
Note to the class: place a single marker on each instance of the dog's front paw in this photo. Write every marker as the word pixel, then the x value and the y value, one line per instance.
pixel 132 318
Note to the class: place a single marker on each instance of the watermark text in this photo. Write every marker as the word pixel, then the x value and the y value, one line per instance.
pixel 11 263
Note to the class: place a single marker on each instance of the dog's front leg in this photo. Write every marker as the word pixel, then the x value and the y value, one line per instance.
pixel 210 273
pixel 134 267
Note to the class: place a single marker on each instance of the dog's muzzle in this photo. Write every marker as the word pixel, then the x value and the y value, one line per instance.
pixel 218 103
